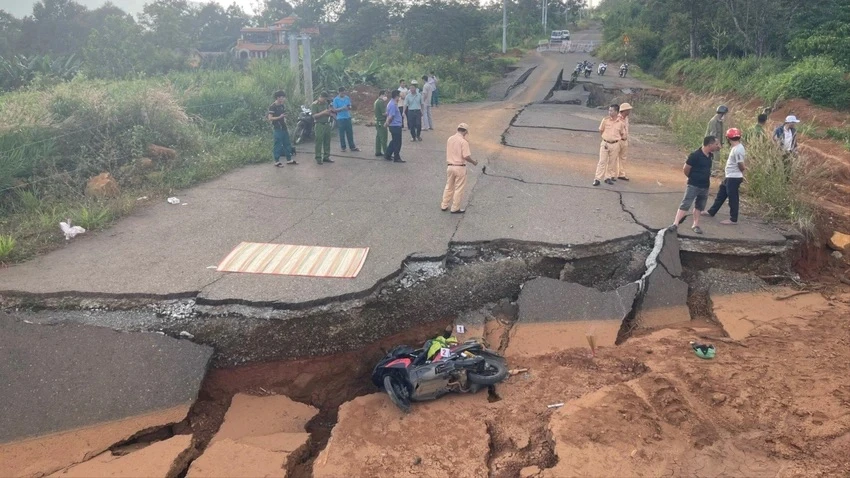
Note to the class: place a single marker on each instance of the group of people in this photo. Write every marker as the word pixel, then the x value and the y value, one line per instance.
pixel 698 166
pixel 404 102
pixel 613 151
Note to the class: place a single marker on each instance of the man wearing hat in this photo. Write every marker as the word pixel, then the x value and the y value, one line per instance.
pixel 620 162
pixel 322 113
pixel 413 110
pixel 457 155
pixel 786 135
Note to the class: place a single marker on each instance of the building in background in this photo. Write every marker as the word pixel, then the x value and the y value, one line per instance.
pixel 260 42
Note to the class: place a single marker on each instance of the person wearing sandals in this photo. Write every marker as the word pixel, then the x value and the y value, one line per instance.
pixel 698 171
pixel 734 177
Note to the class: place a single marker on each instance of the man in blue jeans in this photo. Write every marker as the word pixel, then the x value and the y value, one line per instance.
pixel 276 115
pixel 393 122
pixel 342 107
pixel 734 177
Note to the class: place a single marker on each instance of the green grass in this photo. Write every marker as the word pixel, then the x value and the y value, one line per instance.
pixel 7 246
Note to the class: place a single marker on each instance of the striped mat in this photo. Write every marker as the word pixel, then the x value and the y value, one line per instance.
pixel 287 259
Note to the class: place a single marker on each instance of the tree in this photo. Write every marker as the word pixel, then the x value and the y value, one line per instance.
pixel 218 28
pixel 443 28
pixel 116 49
pixel 10 33
pixel 359 31
pixel 169 24
pixel 56 27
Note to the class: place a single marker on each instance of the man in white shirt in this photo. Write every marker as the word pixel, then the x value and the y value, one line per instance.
pixel 402 93
pixel 427 96
pixel 731 185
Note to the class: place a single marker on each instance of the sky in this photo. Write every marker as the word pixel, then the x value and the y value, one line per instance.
pixel 20 8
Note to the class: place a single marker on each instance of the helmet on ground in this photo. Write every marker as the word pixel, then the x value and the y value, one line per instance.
pixel 722 109
pixel 733 133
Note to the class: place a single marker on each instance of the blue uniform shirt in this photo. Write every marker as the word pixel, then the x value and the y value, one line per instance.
pixel 340 103
pixel 393 113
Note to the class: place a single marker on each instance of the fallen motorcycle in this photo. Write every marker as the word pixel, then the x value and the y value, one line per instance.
pixel 408 375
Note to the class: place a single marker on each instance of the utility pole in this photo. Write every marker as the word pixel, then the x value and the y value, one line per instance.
pixel 308 68
pixel 293 60
pixel 504 26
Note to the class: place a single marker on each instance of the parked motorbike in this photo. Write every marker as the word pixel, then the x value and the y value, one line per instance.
pixel 407 375
pixel 304 129
pixel 601 69
pixel 588 69
pixel 624 69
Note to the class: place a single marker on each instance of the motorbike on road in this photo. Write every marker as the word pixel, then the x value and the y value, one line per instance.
pixel 588 69
pixel 409 375
pixel 601 69
pixel 624 69
pixel 304 129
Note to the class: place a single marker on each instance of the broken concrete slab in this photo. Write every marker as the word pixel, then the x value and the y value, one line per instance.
pixel 571 117
pixel 669 255
pixel 554 315
pixel 748 238
pixel 572 142
pixel 117 384
pixel 371 438
pixel 167 459
pixel 575 96
pixel 542 214
pixel 663 297
pixel 254 416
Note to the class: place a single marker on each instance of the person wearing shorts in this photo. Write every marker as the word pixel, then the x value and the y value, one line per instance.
pixel 698 171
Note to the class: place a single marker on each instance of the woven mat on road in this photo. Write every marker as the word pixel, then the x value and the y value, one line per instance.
pixel 287 259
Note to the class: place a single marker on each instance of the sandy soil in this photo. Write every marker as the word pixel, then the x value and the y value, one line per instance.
pixel 774 403
pixel 46 454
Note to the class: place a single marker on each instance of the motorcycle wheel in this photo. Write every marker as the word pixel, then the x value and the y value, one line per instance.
pixel 299 134
pixel 397 392
pixel 494 372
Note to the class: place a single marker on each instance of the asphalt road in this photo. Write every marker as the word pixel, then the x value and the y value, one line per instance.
pixel 536 190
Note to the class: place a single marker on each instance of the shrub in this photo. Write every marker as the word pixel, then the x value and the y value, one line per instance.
pixel 817 79
pixel 7 246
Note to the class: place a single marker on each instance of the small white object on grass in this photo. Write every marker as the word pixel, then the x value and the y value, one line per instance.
pixel 173 200
pixel 69 230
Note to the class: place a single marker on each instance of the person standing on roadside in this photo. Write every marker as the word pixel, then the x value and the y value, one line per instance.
pixel 613 131
pixel 402 90
pixel 393 122
pixel 698 171
pixel 413 110
pixel 380 123
pixel 620 171
pixel 715 125
pixel 435 99
pixel 322 113
pixel 786 137
pixel 276 115
pixel 731 184
pixel 457 155
pixel 342 107
pixel 427 98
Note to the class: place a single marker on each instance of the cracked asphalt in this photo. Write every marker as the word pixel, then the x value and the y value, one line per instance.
pixel 536 190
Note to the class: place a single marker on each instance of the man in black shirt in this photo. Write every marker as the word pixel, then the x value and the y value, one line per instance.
pixel 277 116
pixel 698 171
